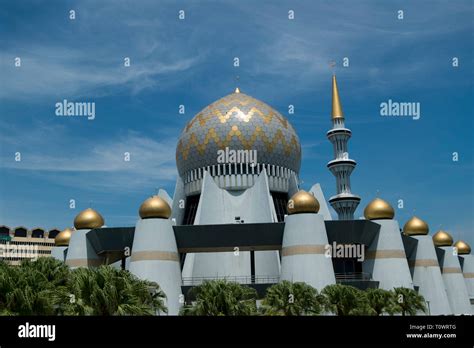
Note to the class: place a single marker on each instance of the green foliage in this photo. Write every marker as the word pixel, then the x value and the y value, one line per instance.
pixel 408 301
pixel 48 287
pixel 380 301
pixel 28 288
pixel 287 298
pixel 220 297
pixel 346 300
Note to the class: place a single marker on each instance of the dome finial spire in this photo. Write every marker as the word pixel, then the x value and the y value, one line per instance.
pixel 237 90
pixel 336 102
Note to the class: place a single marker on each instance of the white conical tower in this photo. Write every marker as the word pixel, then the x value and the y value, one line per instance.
pixel 386 259
pixel 155 254
pixel 61 243
pixel 425 269
pixel 80 251
pixel 303 257
pixel 467 264
pixel 344 202
pixel 452 274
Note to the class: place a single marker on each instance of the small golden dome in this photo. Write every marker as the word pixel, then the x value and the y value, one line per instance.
pixel 442 238
pixel 462 247
pixel 378 209
pixel 155 207
pixel 302 202
pixel 237 90
pixel 415 227
pixel 88 219
pixel 63 237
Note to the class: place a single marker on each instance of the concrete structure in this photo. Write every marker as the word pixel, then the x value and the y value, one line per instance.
pixel 238 213
pixel 304 244
pixel 468 274
pixel 425 269
pixel 80 251
pixel 467 264
pixel 386 259
pixel 21 243
pixel 452 275
pixel 155 254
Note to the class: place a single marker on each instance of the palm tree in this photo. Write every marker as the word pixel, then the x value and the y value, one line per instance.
pixel 287 298
pixel 380 301
pixel 108 291
pixel 408 301
pixel 28 289
pixel 220 297
pixel 48 287
pixel 345 300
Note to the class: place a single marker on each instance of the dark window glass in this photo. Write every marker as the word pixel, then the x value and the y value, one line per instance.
pixel 192 203
pixel 280 201
pixel 20 232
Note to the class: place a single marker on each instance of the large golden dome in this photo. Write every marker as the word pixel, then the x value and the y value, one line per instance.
pixel 415 226
pixel 88 219
pixel 442 238
pixel 378 209
pixel 155 207
pixel 238 122
pixel 462 247
pixel 63 237
pixel 302 202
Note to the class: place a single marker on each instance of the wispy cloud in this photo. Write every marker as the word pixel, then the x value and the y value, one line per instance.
pixel 68 160
pixel 55 71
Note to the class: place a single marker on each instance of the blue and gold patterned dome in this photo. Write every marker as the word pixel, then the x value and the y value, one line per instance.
pixel 238 122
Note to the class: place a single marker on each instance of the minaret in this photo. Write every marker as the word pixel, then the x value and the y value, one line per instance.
pixel 345 203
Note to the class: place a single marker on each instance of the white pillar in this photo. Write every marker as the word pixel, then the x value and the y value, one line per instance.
pixel 155 257
pixel 80 252
pixel 454 282
pixel 303 256
pixel 386 259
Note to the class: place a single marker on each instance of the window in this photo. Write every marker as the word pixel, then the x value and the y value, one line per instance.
pixel 192 203
pixel 280 201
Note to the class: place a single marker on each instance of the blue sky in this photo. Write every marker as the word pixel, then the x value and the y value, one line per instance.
pixel 190 62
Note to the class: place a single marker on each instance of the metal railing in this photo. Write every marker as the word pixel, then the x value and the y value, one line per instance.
pixel 354 276
pixel 187 281
pixel 192 281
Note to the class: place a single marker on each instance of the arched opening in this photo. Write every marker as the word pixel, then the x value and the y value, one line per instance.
pixel 53 233
pixel 4 230
pixel 37 233
pixel 20 232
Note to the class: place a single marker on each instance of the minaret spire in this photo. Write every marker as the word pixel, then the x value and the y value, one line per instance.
pixel 344 202
pixel 336 102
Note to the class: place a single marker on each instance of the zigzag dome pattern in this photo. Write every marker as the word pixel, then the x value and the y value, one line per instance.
pixel 239 122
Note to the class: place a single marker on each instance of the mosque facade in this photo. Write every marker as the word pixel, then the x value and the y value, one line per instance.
pixel 238 213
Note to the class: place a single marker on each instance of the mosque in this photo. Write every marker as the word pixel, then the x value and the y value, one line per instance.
pixel 249 221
